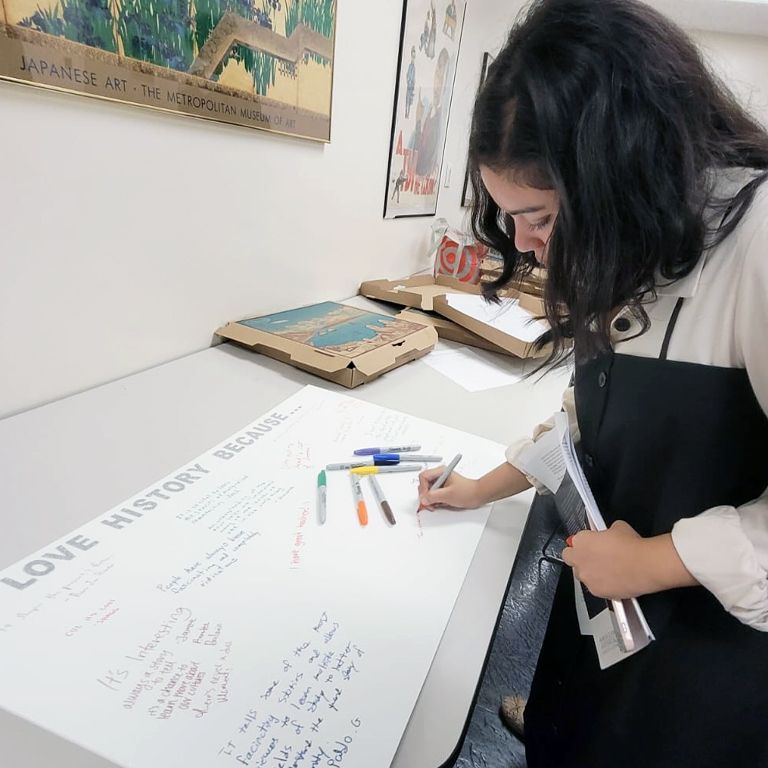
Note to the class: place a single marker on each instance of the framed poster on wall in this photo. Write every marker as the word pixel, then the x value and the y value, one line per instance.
pixel 429 47
pixel 264 64
pixel 466 192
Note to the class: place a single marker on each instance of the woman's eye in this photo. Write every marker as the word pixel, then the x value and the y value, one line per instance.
pixel 540 224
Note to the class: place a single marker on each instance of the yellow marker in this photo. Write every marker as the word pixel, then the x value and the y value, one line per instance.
pixel 386 470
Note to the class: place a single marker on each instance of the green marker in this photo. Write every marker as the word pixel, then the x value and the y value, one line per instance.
pixel 321 490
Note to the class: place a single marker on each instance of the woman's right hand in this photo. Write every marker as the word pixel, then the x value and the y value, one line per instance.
pixel 458 492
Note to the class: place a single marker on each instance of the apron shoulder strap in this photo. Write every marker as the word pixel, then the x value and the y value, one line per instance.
pixel 670 328
pixel 679 304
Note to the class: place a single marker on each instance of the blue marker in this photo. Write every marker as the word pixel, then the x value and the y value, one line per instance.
pixel 396 458
pixel 388 449
pixel 376 461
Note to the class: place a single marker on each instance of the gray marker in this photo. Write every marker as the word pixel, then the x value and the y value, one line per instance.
pixel 348 465
pixel 417 457
pixel 440 482
pixel 383 503
pixel 386 470
pixel 387 449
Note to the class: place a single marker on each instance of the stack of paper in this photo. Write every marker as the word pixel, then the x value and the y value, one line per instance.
pixel 508 317
pixel 474 371
pixel 619 627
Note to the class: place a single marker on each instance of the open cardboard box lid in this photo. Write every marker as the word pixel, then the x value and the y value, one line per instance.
pixel 508 343
pixel 534 304
pixel 418 291
pixel 447 329
pixel 349 363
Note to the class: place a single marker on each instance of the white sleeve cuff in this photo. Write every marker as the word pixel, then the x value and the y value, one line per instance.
pixel 515 450
pixel 720 556
pixel 513 453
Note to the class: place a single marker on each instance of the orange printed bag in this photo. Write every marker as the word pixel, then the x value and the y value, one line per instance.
pixel 459 257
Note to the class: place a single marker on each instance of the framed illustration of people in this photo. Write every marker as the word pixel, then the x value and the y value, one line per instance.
pixel 429 48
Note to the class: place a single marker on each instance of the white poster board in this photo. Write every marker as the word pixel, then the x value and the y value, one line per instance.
pixel 210 621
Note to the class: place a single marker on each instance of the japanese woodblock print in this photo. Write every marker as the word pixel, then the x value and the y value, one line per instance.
pixel 335 328
pixel 258 63
pixel 429 48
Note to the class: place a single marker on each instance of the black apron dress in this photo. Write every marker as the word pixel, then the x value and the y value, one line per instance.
pixel 660 441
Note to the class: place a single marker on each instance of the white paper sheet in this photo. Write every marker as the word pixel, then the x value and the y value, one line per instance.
pixel 473 371
pixel 209 621
pixel 508 317
pixel 552 460
pixel 544 460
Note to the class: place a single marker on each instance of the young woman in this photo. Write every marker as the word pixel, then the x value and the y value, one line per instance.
pixel 603 148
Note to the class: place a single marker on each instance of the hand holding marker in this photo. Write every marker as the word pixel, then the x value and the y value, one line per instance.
pixel 440 482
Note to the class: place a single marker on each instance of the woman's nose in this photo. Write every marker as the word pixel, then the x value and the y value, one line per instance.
pixel 525 241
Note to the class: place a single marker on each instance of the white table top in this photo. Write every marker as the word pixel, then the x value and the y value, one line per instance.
pixel 124 435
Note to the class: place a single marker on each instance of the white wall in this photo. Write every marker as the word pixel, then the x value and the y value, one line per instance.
pixel 128 236
pixel 485 29
pixel 742 62
pixel 741 17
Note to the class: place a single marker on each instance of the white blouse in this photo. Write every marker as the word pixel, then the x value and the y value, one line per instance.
pixel 723 322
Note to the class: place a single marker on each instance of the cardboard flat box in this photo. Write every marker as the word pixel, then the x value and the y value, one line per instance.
pixel 447 329
pixel 512 345
pixel 491 268
pixel 534 304
pixel 428 293
pixel 491 263
pixel 532 284
pixel 418 291
pixel 343 344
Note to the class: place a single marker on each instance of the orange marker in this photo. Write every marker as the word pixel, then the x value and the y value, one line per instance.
pixel 362 510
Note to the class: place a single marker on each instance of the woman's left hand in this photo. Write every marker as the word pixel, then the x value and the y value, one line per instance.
pixel 619 563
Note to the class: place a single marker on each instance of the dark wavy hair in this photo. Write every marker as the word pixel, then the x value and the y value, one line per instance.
pixel 611 105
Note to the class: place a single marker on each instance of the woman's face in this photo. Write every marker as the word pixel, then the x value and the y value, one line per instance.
pixel 533 210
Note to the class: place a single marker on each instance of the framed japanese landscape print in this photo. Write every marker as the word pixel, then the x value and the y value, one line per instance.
pixel 264 64
pixel 429 48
